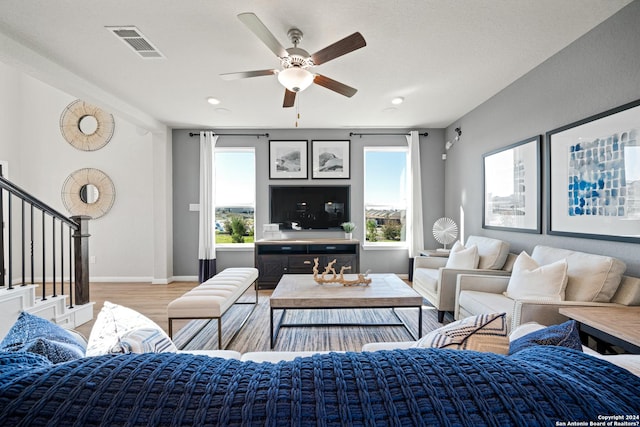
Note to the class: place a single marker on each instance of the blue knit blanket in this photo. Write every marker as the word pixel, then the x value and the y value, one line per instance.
pixel 537 386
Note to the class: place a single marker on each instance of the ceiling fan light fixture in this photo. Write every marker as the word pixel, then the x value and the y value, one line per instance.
pixel 295 79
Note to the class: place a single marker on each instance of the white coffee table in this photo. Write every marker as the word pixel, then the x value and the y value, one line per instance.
pixel 301 292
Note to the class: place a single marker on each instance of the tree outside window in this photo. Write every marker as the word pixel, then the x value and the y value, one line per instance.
pixel 235 196
pixel 385 198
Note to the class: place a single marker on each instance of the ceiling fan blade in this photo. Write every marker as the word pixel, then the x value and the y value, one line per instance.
pixel 259 29
pixel 289 99
pixel 247 74
pixel 334 85
pixel 339 48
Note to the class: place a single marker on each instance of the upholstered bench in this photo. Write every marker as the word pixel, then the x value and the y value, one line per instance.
pixel 211 299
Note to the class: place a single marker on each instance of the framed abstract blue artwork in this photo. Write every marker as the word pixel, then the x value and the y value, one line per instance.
pixel 512 184
pixel 593 176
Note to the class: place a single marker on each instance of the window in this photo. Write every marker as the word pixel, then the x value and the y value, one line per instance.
pixel 235 198
pixel 385 194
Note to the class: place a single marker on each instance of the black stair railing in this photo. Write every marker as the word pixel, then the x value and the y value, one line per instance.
pixel 70 233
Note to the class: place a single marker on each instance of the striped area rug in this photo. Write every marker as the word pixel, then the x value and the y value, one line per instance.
pixel 254 335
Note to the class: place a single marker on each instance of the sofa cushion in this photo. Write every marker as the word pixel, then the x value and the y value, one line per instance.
pixel 492 253
pixel 485 332
pixel 472 303
pixel 485 302
pixel 628 292
pixel 463 257
pixel 531 281
pixel 115 322
pixel 590 277
pixel 426 279
pixel 564 335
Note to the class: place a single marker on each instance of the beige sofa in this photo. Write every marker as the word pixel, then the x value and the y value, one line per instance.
pixel 592 280
pixel 437 283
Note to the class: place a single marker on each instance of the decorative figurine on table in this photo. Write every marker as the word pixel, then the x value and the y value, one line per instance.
pixel 335 278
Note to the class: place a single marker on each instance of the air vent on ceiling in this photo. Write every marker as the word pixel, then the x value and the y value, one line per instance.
pixel 132 37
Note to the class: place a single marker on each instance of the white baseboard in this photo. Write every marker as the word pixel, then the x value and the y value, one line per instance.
pixel 184 279
pixel 120 279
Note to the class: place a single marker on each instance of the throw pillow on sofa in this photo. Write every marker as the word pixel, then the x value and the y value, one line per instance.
pixel 531 281
pixel 463 258
pixel 486 332
pixel 34 334
pixel 115 323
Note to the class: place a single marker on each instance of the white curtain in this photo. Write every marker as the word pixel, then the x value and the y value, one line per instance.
pixel 415 230
pixel 206 240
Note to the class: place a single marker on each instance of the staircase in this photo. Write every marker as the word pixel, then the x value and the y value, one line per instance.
pixel 57 309
pixel 44 268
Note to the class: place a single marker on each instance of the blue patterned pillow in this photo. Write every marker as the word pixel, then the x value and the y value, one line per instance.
pixel 564 335
pixel 37 335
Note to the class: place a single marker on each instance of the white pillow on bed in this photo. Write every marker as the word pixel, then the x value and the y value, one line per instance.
pixel 120 329
pixel 525 329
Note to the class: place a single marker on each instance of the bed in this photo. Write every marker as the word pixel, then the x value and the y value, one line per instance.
pixel 542 385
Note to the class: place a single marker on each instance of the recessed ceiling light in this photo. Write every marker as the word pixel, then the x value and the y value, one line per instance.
pixel 397 100
pixel 213 101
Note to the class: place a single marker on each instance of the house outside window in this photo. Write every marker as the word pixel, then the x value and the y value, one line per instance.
pixel 385 195
pixel 235 197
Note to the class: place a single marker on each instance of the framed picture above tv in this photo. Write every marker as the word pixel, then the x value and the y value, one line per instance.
pixel 288 159
pixel 330 159
pixel 593 176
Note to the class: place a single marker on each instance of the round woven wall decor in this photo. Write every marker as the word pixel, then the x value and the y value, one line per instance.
pixel 86 126
pixel 88 192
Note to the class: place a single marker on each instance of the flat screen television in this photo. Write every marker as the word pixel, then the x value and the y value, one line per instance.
pixel 309 207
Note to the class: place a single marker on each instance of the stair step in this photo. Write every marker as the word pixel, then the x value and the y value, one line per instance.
pixel 22 298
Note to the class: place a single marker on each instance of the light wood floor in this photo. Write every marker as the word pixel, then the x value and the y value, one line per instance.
pixel 151 300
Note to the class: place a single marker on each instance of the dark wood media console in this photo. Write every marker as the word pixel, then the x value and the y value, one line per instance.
pixel 273 258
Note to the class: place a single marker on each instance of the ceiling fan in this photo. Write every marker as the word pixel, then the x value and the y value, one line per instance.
pixel 296 74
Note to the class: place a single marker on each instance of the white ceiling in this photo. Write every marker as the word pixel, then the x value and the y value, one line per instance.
pixel 444 57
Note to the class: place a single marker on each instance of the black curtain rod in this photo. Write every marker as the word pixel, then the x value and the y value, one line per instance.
pixel 361 134
pixel 257 135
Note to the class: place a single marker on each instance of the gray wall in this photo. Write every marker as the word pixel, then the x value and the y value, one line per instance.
pixel 185 191
pixel 597 72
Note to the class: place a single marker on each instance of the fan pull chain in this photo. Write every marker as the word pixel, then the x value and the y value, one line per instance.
pixel 297 109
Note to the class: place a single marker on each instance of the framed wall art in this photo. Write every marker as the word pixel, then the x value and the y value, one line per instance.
pixel 512 183
pixel 331 159
pixel 594 176
pixel 288 160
